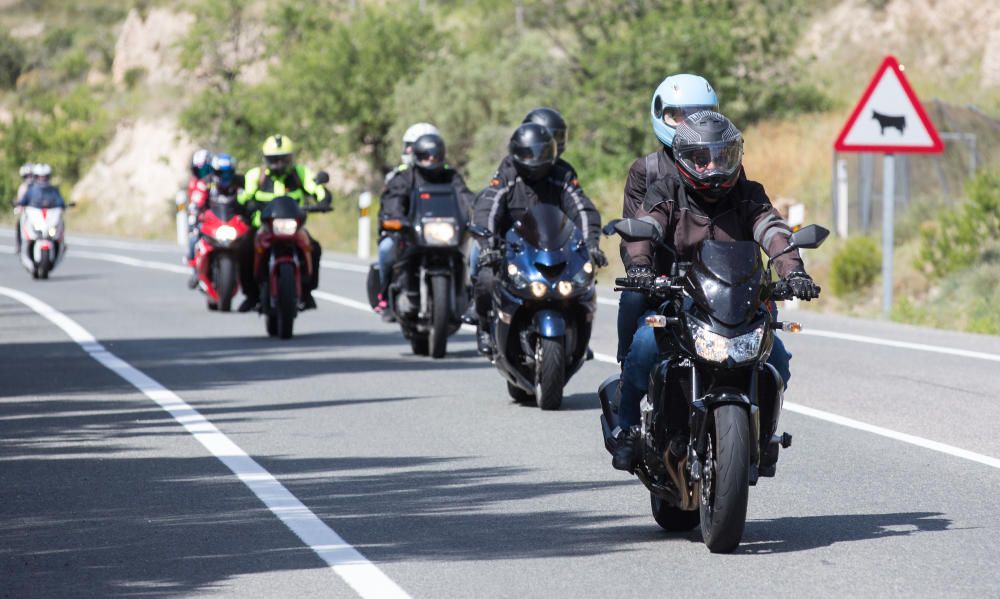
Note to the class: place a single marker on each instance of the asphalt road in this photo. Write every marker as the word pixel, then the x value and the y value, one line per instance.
pixel 431 472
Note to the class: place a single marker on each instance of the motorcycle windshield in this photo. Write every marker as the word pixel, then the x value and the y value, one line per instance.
pixel 725 279
pixel 281 207
pixel 435 201
pixel 545 227
pixel 224 207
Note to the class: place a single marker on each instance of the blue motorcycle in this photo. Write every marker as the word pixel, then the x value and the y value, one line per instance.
pixel 543 305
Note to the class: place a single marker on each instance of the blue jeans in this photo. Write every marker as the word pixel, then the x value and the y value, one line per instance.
pixel 641 359
pixel 631 308
pixel 474 259
pixel 386 259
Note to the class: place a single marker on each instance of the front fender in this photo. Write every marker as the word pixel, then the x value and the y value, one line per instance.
pixel 550 323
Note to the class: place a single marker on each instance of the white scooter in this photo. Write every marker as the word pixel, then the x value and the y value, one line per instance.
pixel 42 242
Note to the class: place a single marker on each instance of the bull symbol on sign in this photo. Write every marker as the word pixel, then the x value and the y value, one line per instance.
pixel 884 120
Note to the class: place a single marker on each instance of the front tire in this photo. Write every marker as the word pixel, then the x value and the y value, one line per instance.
pixel 550 372
pixel 225 281
pixel 287 300
pixel 726 479
pixel 440 287
pixel 420 344
pixel 44 265
pixel 672 518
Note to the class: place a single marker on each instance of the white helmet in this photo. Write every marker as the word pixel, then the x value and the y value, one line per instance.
pixel 26 170
pixel 41 170
pixel 413 134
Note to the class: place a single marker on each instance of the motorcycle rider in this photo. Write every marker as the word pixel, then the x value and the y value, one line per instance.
pixel 25 172
pixel 675 97
pixel 429 166
pixel 538 179
pixel 412 134
pixel 706 199
pixel 222 179
pixel 279 176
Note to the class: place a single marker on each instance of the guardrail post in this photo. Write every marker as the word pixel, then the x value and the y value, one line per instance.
pixel 364 225
pixel 182 221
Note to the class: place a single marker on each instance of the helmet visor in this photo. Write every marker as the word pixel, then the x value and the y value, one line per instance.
pixel 278 163
pixel 673 115
pixel 428 160
pixel 535 154
pixel 705 161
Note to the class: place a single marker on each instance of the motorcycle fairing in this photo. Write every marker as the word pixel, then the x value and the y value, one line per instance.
pixel 726 279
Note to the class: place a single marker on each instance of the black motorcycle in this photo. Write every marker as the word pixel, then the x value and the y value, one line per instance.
pixel 543 305
pixel 709 420
pixel 427 294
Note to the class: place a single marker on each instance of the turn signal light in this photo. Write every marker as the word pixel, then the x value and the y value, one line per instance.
pixel 393 224
pixel 792 327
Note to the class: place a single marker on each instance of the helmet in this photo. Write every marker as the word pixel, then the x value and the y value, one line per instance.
pixel 677 97
pixel 278 153
pixel 428 153
pixel 553 121
pixel 41 170
pixel 26 170
pixel 200 163
pixel 411 135
pixel 224 169
pixel 533 151
pixel 708 150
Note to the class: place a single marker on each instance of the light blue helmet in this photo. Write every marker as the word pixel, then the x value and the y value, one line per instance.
pixel 677 97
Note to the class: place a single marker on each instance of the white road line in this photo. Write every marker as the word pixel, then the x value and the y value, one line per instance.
pixel 363 576
pixel 792 407
pixel 123 245
pixel 335 265
pixel 177 268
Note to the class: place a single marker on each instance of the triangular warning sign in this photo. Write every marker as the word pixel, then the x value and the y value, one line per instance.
pixel 889 118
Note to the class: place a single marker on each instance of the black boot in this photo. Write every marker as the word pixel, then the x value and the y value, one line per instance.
pixel 249 303
pixel 626 454
pixel 484 340
pixel 307 302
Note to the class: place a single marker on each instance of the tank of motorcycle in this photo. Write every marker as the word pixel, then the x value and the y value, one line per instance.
pixel 726 281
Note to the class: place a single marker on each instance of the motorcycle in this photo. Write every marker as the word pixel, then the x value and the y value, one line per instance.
pixel 284 254
pixel 42 237
pixel 427 294
pixel 222 232
pixel 543 305
pixel 710 417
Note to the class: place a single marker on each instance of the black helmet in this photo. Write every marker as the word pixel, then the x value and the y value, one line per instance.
pixel 708 150
pixel 553 121
pixel 533 151
pixel 428 153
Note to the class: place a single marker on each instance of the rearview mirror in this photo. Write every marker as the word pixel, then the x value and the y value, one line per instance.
pixel 809 237
pixel 641 229
pixel 322 177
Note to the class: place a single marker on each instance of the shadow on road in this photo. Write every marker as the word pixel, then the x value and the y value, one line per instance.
pixel 802 533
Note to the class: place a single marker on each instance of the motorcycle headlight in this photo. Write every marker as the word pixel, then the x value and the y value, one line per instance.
pixel 565 288
pixel 440 231
pixel 539 289
pixel 284 226
pixel 716 348
pixel 52 231
pixel 228 233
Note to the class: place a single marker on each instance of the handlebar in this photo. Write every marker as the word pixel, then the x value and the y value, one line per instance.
pixel 317 208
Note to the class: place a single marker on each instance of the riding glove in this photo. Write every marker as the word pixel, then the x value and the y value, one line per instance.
pixel 802 285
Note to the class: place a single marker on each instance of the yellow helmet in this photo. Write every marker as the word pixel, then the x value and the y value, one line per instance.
pixel 278 151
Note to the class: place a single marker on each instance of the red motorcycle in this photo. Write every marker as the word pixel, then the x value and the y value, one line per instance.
pixel 222 233
pixel 283 261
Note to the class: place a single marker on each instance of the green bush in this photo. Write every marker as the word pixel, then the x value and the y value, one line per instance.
pixel 12 60
pixel 961 236
pixel 855 266
pixel 133 76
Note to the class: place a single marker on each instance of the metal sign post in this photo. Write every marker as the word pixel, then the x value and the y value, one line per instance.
pixel 888 229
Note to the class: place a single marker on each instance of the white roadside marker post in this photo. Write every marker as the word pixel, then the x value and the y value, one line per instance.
pixel 182 226
pixel 364 225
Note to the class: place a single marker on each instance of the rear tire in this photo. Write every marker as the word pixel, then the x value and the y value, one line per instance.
pixel 420 344
pixel 287 300
pixel 550 372
pixel 440 288
pixel 225 281
pixel 44 265
pixel 518 394
pixel 671 518
pixel 724 515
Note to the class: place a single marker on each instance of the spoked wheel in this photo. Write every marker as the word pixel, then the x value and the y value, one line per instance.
pixel 440 288
pixel 550 372
pixel 225 281
pixel 287 300
pixel 725 479
pixel 671 518
pixel 518 394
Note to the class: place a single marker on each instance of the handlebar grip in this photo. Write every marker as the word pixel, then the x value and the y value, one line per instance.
pixel 623 281
pixel 781 291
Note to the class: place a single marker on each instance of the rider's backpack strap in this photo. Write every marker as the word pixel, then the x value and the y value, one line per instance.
pixel 652 168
